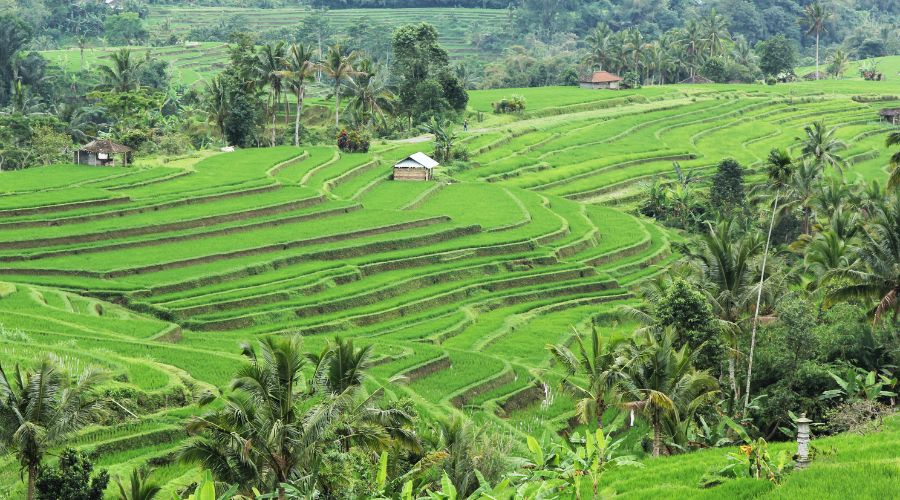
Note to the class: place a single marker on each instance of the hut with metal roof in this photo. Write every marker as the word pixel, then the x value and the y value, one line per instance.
pixel 415 167
pixel 103 152
pixel 600 80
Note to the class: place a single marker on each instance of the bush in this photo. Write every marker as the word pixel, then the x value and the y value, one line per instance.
pixel 353 141
pixel 861 416
pixel 174 144
pixel 771 80
pixel 511 104
pixel 631 80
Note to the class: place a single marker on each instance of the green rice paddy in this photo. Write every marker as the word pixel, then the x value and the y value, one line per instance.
pixel 157 272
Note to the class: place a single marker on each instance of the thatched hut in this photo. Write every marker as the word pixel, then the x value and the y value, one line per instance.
pixel 890 115
pixel 103 152
pixel 415 167
pixel 600 80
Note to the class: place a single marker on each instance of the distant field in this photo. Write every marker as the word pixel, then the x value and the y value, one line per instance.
pixel 188 64
pixel 889 66
pixel 458 285
pixel 452 24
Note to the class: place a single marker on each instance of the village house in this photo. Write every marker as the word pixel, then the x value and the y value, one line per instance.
pixel 890 115
pixel 415 167
pixel 600 80
pixel 103 152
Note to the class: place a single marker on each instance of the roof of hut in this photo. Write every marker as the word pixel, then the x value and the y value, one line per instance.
pixel 105 146
pixel 417 160
pixel 601 77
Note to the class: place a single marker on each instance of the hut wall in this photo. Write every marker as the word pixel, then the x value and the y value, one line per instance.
pixel 410 174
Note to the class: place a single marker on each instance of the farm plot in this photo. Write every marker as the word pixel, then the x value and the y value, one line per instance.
pixel 458 283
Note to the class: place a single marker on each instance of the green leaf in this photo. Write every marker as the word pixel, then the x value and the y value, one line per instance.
pixel 447 487
pixel 406 491
pixel 536 450
pixel 738 428
pixel 381 477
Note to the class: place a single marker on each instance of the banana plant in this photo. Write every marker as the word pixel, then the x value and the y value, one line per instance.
pixel 858 384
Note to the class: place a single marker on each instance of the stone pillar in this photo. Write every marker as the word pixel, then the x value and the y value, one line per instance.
pixel 803 441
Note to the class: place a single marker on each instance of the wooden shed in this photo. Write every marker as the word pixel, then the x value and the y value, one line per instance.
pixel 890 115
pixel 415 167
pixel 600 80
pixel 103 152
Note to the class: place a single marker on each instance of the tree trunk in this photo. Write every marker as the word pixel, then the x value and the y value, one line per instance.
pixel 297 118
pixel 762 278
pixel 337 104
pixel 732 377
pixel 817 54
pixel 282 495
pixel 657 437
pixel 32 477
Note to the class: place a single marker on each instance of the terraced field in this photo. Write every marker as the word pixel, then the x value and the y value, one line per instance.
pixel 452 24
pixel 188 65
pixel 158 273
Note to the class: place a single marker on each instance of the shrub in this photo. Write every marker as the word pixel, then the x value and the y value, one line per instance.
pixel 353 141
pixel 861 416
pixel 512 104
pixel 631 80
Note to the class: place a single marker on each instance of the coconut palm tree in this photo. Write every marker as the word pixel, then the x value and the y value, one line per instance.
pixel 370 98
pixel 340 366
pixel 661 379
pixel 634 46
pixel 874 275
pixel 121 75
pixel 339 66
pixel 827 252
pixel 300 69
pixel 893 139
pixel 269 64
pixel 215 103
pixel 139 487
pixel 725 259
pixel 820 144
pixel 594 375
pixel 815 16
pixel 715 32
pixel 598 44
pixel 39 409
pixel 265 432
pixel 779 170
pixel 691 40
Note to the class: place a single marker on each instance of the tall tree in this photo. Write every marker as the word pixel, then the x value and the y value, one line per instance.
pixel 815 16
pixel 14 35
pixel 268 68
pixel 661 379
pixel 264 432
pixel 715 32
pixel 874 275
pixel 893 139
pixel 726 267
pixel 778 168
pixel 339 66
pixel 594 375
pixel 121 75
pixel 301 68
pixel 39 409
pixel 215 103
pixel 820 144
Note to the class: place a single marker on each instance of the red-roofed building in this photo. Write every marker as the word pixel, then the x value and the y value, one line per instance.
pixel 600 80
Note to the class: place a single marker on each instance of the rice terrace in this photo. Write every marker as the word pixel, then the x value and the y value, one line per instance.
pixel 245 254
